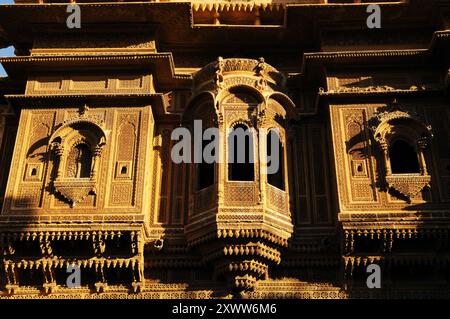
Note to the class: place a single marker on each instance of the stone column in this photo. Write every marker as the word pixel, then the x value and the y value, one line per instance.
pixel 385 149
pixel 58 149
pixel 421 146
pixel 95 161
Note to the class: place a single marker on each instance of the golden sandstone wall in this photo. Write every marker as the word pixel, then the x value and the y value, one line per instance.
pixel 88 181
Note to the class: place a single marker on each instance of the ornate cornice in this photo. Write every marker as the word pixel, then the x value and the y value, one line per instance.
pixel 160 64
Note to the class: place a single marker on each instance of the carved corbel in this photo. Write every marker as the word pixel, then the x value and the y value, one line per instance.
pixel 218 77
pixel 138 276
pixel 7 248
pixel 100 284
pixel 46 248
pixel 98 245
pixel 49 284
pixel 388 241
pixel 261 83
pixel 349 242
pixel 11 280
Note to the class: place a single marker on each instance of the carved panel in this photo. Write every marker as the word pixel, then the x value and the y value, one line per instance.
pixel 48 44
pixel 75 84
pixel 131 82
pixel 28 197
pixel 359 155
pixel 240 193
pixel 362 192
pixel 48 84
pixel 121 194
pixel 88 83
pixel 277 199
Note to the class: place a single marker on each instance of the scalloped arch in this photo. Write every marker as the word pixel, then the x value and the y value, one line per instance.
pixel 96 130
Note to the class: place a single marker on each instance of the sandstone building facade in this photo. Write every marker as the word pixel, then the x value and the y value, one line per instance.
pixel 87 180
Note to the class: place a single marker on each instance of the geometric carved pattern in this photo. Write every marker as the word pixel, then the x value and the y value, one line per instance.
pixel 277 199
pixel 28 197
pixel 240 193
pixel 410 185
pixel 362 191
pixel 122 194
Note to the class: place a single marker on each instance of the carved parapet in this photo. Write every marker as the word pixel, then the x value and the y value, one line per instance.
pixel 409 185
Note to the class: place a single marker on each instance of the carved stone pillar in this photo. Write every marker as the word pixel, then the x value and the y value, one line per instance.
pixel 221 165
pixel 262 152
pixel 421 146
pixel 385 149
pixel 58 149
pixel 288 160
pixel 95 161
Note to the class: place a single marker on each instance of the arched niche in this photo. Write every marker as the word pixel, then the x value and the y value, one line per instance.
pixel 403 138
pixel 77 147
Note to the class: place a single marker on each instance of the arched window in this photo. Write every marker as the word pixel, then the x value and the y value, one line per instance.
pixel 403 158
pixel 240 154
pixel 79 162
pixel 275 173
pixel 205 171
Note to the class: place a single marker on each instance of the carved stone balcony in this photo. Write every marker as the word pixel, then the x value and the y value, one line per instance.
pixel 74 190
pixel 409 185
pixel 240 223
pixel 240 233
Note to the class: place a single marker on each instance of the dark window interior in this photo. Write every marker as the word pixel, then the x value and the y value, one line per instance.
pixel 84 161
pixel 241 171
pixel 275 179
pixel 403 158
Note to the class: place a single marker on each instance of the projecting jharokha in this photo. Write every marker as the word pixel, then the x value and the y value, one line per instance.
pixel 360 111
